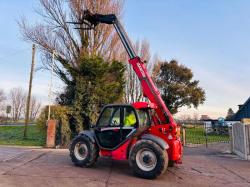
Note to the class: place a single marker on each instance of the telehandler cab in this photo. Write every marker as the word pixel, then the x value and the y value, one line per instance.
pixel 144 133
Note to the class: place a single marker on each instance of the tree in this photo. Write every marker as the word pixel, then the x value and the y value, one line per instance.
pixel 76 49
pixel 2 98
pixel 18 101
pixel 184 117
pixel 176 85
pixel 230 114
pixel 2 104
pixel 205 117
pixel 35 107
pixel 133 91
pixel 54 33
pixel 95 84
pixel 195 117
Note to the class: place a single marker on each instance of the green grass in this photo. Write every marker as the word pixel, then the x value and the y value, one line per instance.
pixel 197 136
pixel 13 135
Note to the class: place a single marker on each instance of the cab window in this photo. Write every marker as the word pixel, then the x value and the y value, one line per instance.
pixel 115 119
pixel 144 119
pixel 110 117
pixel 129 117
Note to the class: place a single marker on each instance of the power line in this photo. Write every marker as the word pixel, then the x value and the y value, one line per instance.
pixel 6 56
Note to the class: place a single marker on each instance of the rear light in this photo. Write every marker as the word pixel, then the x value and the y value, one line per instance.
pixel 178 131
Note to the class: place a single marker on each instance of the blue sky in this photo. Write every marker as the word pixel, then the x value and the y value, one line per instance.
pixel 211 37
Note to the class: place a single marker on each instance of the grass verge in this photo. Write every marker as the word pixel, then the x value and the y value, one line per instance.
pixel 13 135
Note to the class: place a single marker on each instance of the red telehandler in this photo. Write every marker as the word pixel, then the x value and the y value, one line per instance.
pixel 151 142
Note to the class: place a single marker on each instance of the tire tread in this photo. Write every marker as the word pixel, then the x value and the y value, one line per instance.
pixel 93 151
pixel 162 159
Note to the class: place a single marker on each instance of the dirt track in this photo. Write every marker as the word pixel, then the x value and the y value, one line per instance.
pixel 44 167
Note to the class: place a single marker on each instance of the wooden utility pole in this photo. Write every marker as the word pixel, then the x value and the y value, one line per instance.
pixel 29 94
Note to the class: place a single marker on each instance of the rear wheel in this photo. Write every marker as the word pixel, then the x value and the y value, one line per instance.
pixel 147 159
pixel 83 151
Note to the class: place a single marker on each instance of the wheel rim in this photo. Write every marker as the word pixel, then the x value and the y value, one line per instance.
pixel 81 151
pixel 146 159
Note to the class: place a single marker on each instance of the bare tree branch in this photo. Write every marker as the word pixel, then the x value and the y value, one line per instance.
pixel 17 99
pixel 34 108
pixel 2 96
pixel 133 91
pixel 54 33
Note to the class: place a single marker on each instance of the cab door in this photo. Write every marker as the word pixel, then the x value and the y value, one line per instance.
pixel 108 127
pixel 129 122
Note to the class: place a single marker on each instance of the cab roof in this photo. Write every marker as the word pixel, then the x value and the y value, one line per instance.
pixel 136 105
pixel 140 105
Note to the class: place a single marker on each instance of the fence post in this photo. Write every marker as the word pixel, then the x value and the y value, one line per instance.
pixel 245 140
pixel 230 132
pixel 184 136
pixel 205 133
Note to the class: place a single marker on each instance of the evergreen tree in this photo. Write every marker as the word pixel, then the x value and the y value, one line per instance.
pixel 230 114
pixel 94 85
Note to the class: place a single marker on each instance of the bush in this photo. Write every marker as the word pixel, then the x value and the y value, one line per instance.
pixel 65 130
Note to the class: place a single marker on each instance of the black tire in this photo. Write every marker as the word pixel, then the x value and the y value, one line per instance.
pixel 90 157
pixel 161 159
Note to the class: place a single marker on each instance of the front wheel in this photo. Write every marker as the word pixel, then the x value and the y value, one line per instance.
pixel 147 159
pixel 83 151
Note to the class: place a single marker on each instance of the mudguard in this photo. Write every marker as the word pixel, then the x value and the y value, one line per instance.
pixel 159 141
pixel 88 133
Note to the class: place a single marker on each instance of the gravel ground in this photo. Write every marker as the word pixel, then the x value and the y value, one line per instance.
pixel 50 167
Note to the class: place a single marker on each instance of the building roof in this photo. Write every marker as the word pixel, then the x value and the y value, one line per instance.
pixel 243 112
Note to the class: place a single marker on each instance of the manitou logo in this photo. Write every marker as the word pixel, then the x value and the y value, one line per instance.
pixel 141 70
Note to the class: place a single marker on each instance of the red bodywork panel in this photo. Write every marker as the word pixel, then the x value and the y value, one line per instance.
pixel 169 136
pixel 121 153
pixel 163 131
